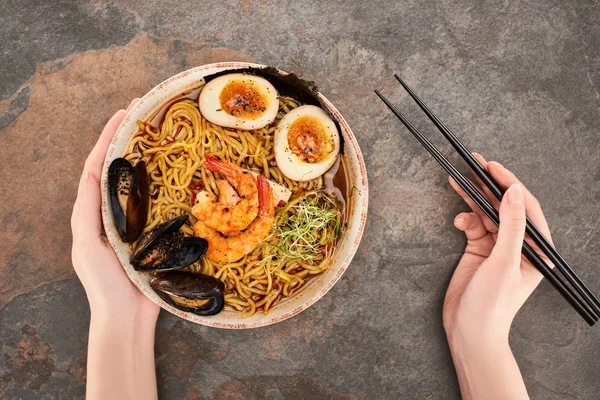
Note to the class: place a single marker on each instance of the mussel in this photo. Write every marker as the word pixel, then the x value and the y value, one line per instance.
pixel 129 197
pixel 165 248
pixel 196 293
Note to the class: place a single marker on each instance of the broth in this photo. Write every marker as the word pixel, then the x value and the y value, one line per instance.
pixel 335 183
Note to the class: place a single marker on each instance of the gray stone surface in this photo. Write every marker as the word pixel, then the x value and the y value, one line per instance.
pixel 519 81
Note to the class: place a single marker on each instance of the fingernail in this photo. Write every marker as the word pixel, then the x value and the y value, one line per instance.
pixel 459 220
pixel 515 194
pixel 497 163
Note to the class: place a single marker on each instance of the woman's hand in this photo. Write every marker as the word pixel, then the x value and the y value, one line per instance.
pixel 121 342
pixel 108 289
pixel 491 283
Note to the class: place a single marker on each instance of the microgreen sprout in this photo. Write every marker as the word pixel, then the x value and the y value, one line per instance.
pixel 304 230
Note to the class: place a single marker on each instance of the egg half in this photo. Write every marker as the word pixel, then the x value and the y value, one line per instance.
pixel 306 143
pixel 239 101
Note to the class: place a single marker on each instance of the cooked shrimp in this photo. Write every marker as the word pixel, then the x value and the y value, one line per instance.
pixel 219 215
pixel 226 249
pixel 227 194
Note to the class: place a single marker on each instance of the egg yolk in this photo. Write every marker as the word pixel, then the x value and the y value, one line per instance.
pixel 309 139
pixel 241 99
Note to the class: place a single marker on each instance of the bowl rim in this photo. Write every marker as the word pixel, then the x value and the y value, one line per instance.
pixel 349 139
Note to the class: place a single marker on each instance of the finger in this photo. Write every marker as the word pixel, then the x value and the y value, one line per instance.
pixel 95 160
pixel 512 227
pixel 99 151
pixel 534 211
pixel 481 160
pixel 486 191
pixel 489 225
pixel 88 196
pixel 74 218
pixel 133 103
pixel 479 241
pixel 471 225
pixel 88 222
pixel 76 207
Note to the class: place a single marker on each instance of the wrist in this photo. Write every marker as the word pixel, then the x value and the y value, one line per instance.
pixel 134 330
pixel 124 318
pixel 463 342
pixel 486 369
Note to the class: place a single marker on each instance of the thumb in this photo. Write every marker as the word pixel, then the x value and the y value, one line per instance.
pixel 89 222
pixel 512 226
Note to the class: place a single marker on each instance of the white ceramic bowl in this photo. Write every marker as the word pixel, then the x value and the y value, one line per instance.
pixel 286 308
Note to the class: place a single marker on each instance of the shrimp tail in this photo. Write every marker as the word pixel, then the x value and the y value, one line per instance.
pixel 265 195
pixel 215 164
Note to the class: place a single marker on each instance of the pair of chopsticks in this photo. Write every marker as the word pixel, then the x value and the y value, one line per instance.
pixel 573 289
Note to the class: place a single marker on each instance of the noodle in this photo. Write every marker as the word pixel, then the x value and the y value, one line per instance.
pixel 175 153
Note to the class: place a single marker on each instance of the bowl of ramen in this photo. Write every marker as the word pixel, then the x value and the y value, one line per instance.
pixel 234 195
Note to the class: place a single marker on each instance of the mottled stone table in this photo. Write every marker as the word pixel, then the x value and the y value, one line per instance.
pixel 520 82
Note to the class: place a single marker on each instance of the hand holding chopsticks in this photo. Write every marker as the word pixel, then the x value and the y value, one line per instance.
pixel 573 289
pixel 488 287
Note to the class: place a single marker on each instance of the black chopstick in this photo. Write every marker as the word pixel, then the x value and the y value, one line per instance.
pixel 581 307
pixel 497 190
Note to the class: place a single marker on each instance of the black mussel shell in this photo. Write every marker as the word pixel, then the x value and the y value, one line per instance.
pixel 187 285
pixel 119 180
pixel 137 202
pixel 190 251
pixel 183 289
pixel 212 307
pixel 164 228
pixel 149 240
pixel 129 197
pixel 155 255
pixel 170 251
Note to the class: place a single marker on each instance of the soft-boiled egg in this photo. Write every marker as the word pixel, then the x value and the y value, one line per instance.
pixel 306 143
pixel 239 101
